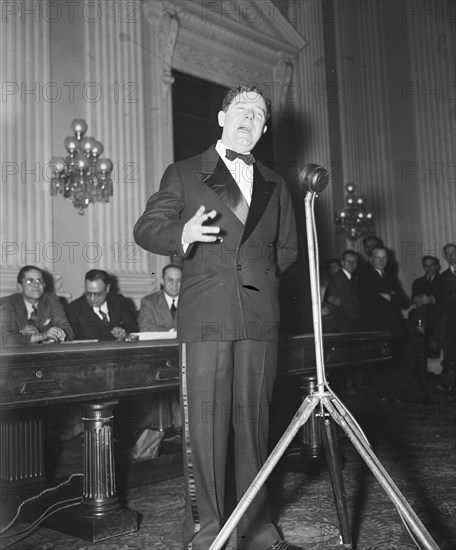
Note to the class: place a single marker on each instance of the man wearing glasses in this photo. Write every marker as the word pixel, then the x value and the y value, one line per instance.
pixel 32 315
pixel 99 314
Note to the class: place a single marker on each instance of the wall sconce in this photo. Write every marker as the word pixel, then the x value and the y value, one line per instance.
pixel 354 220
pixel 82 176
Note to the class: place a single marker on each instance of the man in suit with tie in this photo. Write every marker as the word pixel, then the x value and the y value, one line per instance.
pixel 341 300
pixel 425 289
pixel 158 310
pixel 33 315
pixel 445 334
pixel 232 221
pixel 425 297
pixel 381 296
pixel 99 314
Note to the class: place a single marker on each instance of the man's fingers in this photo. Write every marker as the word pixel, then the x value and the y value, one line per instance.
pixel 201 216
pixel 206 229
pixel 211 215
pixel 207 238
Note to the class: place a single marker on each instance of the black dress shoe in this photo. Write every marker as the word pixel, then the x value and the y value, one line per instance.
pixel 284 545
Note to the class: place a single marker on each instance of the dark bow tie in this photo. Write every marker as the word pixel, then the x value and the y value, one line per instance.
pixel 231 155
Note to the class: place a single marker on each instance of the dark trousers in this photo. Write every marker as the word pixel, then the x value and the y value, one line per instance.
pixel 226 384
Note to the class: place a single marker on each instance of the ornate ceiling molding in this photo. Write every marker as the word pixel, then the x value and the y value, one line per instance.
pixel 225 41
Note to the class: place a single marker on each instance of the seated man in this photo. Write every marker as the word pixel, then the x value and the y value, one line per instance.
pixel 157 314
pixel 158 310
pixel 99 315
pixel 341 299
pixel 33 315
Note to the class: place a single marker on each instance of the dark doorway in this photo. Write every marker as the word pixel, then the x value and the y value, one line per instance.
pixel 196 103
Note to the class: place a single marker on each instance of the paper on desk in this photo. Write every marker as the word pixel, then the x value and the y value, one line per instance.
pixel 171 335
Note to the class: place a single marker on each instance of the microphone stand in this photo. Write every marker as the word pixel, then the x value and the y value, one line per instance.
pixel 330 409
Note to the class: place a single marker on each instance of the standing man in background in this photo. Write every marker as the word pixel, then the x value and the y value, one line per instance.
pixel 445 333
pixel 232 220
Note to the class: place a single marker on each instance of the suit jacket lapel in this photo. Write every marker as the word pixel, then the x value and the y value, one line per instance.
pixel 163 306
pixel 262 192
pixel 216 175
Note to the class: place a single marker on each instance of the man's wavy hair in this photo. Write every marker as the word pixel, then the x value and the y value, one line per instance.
pixel 246 89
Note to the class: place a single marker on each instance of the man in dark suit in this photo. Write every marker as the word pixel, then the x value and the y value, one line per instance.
pixel 381 296
pixel 425 297
pixel 445 334
pixel 158 310
pixel 233 222
pixel 429 284
pixel 99 315
pixel 33 315
pixel 341 300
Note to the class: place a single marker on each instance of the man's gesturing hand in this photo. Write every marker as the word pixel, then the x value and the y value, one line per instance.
pixel 195 231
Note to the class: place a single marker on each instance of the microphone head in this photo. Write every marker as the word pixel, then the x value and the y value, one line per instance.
pixel 314 178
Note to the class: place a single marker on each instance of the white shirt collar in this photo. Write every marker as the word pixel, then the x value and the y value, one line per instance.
pixel 30 307
pixel 104 309
pixel 347 273
pixel 221 148
pixel 169 300
pixel 241 172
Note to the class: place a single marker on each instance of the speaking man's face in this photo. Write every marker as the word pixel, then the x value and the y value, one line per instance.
pixel 244 122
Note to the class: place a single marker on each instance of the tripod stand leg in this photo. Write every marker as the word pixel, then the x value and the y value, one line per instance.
pixel 331 446
pixel 341 415
pixel 301 416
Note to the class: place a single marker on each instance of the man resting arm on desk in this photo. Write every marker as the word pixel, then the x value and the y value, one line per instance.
pixel 99 314
pixel 33 315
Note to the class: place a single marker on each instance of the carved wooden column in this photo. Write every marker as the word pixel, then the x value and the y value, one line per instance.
pixel 99 486
pixel 100 515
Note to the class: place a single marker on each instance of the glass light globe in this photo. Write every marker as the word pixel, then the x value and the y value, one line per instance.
pixel 97 149
pixel 70 144
pixel 105 165
pixel 79 127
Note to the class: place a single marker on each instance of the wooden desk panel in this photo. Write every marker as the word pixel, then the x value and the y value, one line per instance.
pixel 79 372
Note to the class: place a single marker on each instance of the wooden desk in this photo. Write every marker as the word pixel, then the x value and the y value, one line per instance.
pixel 97 375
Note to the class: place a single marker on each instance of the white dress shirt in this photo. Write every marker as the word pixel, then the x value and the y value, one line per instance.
pixel 241 172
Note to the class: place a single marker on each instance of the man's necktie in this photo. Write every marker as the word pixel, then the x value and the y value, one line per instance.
pixel 103 316
pixel 173 310
pixel 32 320
pixel 231 155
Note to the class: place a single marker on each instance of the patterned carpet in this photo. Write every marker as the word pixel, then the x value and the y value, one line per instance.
pixel 414 442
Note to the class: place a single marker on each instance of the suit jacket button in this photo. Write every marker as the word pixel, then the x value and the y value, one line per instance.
pixel 239 267
pixel 267 271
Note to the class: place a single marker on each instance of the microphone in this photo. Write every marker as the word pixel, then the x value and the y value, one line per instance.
pixel 314 178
